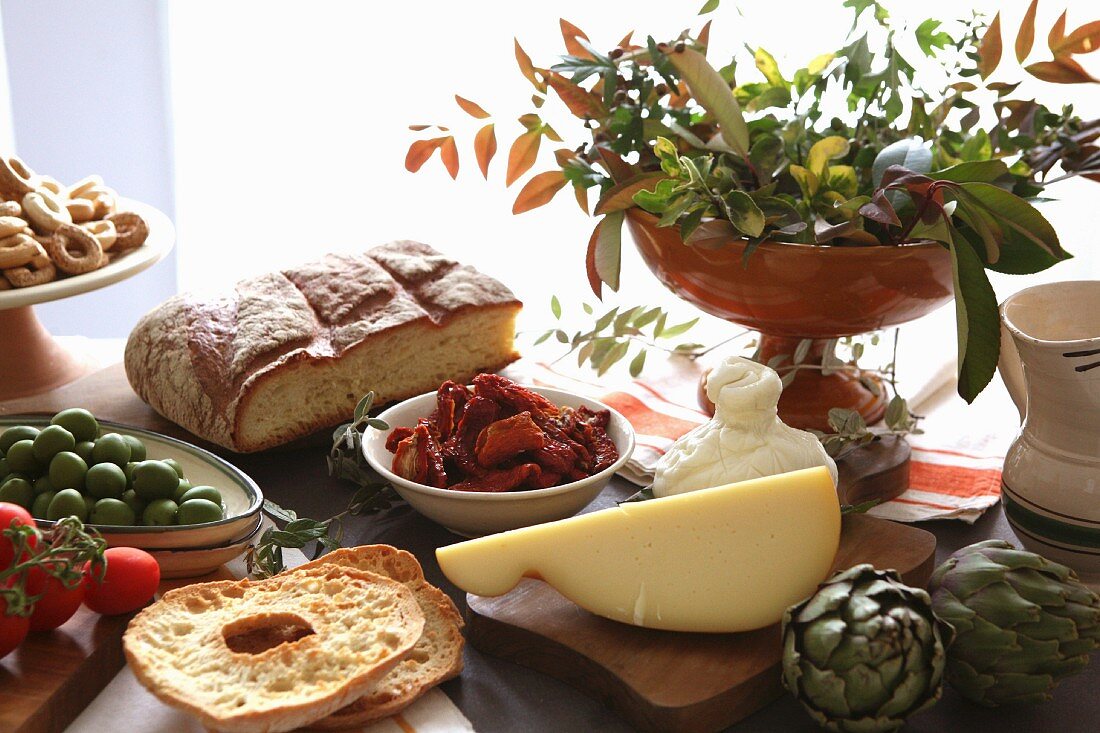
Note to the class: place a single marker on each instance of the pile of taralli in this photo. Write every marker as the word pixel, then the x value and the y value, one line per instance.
pixel 353 637
pixel 49 230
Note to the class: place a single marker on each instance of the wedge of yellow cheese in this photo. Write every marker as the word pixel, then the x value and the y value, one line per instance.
pixel 731 558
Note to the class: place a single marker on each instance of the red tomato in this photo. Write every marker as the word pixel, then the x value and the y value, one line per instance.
pixel 57 604
pixel 13 629
pixel 8 513
pixel 128 582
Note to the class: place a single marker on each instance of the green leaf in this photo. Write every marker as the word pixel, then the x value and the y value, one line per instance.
pixel 766 155
pixel 897 412
pixel 744 213
pixel 276 511
pixel 678 330
pixel 713 93
pixel 587 308
pixel 637 363
pixel 977 147
pixel 656 201
pixel 605 320
pixel 647 317
pixel 823 151
pixel 977 320
pixel 555 306
pixel 621 195
pixel 1012 212
pixel 984 171
pixel 708 7
pixel 364 405
pixel 615 353
pixel 908 153
pixel 769 68
pixel 929 39
pixel 604 257
pixel 543 337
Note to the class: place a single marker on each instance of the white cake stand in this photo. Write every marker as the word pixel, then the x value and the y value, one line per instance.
pixel 31 361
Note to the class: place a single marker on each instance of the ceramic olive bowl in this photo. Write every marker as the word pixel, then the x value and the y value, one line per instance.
pixel 240 494
pixel 475 513
pixel 198 561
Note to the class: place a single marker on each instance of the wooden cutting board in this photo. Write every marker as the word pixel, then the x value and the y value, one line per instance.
pixel 664 680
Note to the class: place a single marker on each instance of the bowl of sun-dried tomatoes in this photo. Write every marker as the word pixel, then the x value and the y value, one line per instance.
pixel 495 455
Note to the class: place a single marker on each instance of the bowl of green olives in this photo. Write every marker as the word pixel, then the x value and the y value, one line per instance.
pixel 136 487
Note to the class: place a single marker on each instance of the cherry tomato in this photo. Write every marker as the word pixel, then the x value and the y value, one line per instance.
pixel 128 582
pixel 12 513
pixel 57 603
pixel 13 629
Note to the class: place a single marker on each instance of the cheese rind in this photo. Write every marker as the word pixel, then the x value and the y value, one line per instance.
pixel 730 558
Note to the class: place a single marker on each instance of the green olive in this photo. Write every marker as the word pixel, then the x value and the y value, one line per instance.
pixel 81 423
pixel 21 458
pixel 17 491
pixel 160 513
pixel 137 448
pixel 67 471
pixel 128 469
pixel 84 449
pixel 112 511
pixel 5 469
pixel 203 492
pixel 175 466
pixel 155 480
pixel 111 448
pixel 42 484
pixel 41 504
pixel 51 441
pixel 67 503
pixel 182 489
pixel 105 481
pixel 130 499
pixel 199 511
pixel 14 434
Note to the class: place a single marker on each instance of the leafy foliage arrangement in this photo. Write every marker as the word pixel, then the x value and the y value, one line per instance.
pixel 851 150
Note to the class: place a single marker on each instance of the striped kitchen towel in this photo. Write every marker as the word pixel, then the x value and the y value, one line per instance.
pixel 954 474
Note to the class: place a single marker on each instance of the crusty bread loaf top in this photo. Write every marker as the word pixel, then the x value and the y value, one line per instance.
pixel 363 624
pixel 316 311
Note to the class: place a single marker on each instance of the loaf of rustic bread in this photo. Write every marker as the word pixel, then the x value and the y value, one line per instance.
pixel 289 353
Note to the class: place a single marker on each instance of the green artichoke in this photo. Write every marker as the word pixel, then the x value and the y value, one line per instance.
pixel 1022 622
pixel 864 652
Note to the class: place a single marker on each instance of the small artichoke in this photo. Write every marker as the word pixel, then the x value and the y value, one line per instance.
pixel 1022 622
pixel 864 652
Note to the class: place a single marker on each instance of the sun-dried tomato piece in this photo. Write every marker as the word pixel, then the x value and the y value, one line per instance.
pixel 507 438
pixel 450 398
pixel 396 437
pixel 555 456
pixel 508 394
pixel 458 451
pixel 419 458
pixel 502 479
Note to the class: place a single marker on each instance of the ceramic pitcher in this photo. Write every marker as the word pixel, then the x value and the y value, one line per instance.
pixel 1050 362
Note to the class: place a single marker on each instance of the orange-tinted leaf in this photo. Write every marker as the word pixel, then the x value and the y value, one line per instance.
pixel 1057 33
pixel 571 33
pixel 564 156
pixel 419 153
pixel 617 168
pixel 419 128
pixel 448 153
pixel 989 52
pixel 528 69
pixel 581 102
pixel 1085 39
pixel 621 195
pixel 538 191
pixel 627 43
pixel 522 155
pixel 530 121
pixel 581 195
pixel 551 133
pixel 704 36
pixel 471 108
pixel 537 100
pixel 1062 70
pixel 1026 35
pixel 485 147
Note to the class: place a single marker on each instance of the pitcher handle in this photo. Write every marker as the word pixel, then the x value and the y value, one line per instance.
pixel 1012 371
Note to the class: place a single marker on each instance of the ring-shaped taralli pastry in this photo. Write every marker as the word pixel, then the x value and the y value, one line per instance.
pixel 10 225
pixel 132 230
pixel 16 179
pixel 28 276
pixel 17 251
pixel 104 231
pixel 44 211
pixel 51 184
pixel 81 210
pixel 78 189
pixel 10 208
pixel 74 250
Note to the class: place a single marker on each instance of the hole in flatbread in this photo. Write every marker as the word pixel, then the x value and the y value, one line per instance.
pixel 257 634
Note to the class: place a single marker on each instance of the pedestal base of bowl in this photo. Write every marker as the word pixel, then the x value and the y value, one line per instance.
pixel 806 401
pixel 31 361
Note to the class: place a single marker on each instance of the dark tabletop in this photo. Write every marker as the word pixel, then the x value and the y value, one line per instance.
pixel 500 696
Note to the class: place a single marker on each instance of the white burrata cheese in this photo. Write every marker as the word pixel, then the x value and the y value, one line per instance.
pixel 744 440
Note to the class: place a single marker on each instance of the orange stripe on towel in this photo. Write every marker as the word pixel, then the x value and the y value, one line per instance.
pixel 954 480
pixel 645 419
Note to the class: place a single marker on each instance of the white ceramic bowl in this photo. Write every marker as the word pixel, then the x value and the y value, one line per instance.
pixel 240 494
pixel 198 561
pixel 474 513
